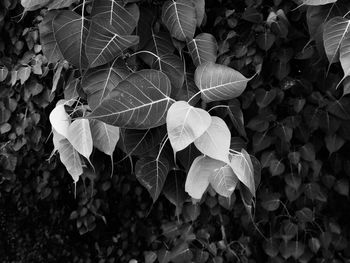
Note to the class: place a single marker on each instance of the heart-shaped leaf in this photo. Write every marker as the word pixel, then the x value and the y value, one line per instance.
pixel 152 174
pixel 138 102
pixel 334 143
pixel 344 53
pixel 47 38
pixel 203 48
pixel 185 124
pixel 180 18
pixel 79 135
pixel 68 156
pixel 242 166
pixel 70 30
pixel 104 136
pixel 218 82
pixel 215 141
pixel 333 35
pixel 98 82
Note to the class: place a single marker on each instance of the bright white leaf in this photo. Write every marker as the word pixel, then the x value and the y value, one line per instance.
pixel 219 82
pixel 79 135
pixel 333 35
pixel 185 124
pixel 68 156
pixel 60 120
pixel 242 166
pixel 345 55
pixel 224 181
pixel 203 48
pixel 198 176
pixel 104 136
pixel 215 141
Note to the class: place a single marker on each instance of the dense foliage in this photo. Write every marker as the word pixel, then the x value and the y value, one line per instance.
pixel 153 107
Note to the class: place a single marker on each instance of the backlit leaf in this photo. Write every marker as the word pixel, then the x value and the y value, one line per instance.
pixel 104 136
pixel 333 35
pixel 30 5
pixel 68 156
pixel 215 141
pixel 60 120
pixel 224 181
pixel 3 73
pixel 180 18
pixel 138 102
pixel 152 174
pixel 203 48
pixel 242 166
pixel 218 82
pixel 79 135
pixel 318 2
pixel 98 82
pixel 70 30
pixel 344 53
pixel 185 124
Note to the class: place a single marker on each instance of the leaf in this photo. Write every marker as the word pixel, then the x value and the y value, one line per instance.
pixel 334 143
pixel 215 141
pixel 271 201
pixel 113 14
pixel 224 181
pixel 307 152
pixel 242 166
pixel 236 116
pixel 3 73
pixel 200 11
pixel 180 18
pixel 344 53
pixel 203 48
pixel 173 67
pixel 47 38
pixel 31 5
pixel 340 108
pixel 58 4
pixel 264 97
pixel 152 174
pixel 218 82
pixel 60 120
pixel 174 189
pixel 68 156
pixel 139 142
pixel 333 35
pixel 318 2
pixel 201 170
pixel 79 135
pixel 70 31
pixel 138 102
pixel 98 82
pixel 185 124
pixel 104 136
pixel 276 167
pixel 266 40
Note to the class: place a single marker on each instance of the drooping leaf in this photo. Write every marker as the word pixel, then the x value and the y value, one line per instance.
pixel 152 174
pixel 173 67
pixel 242 166
pixel 201 170
pixel 3 73
pixel 180 18
pixel 98 82
pixel 104 136
pixel 344 53
pixel 59 119
pixel 185 124
pixel 318 2
pixel 333 35
pixel 215 141
pixel 47 38
pixel 139 142
pixel 236 116
pixel 70 31
pixel 58 4
pixel 334 143
pixel 79 135
pixel 138 102
pixel 224 181
pixel 218 82
pixel 203 48
pixel 68 156
pixel 200 11
pixel 174 189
